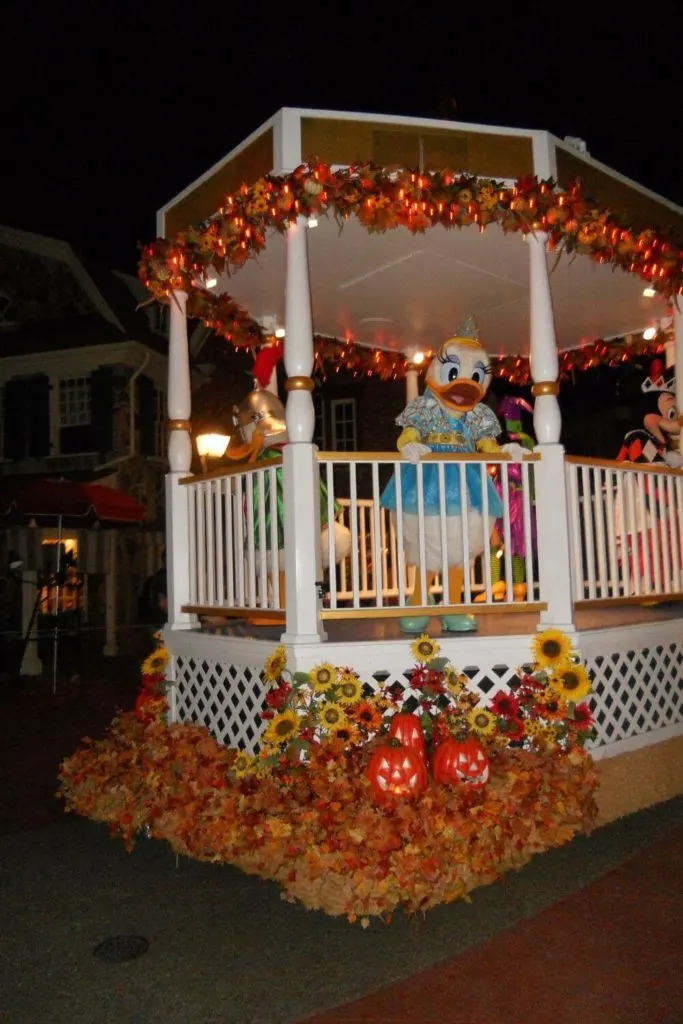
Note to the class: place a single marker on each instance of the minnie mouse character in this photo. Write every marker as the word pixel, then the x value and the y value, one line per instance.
pixel 658 416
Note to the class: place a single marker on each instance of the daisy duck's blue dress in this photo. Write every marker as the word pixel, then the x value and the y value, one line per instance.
pixel 444 433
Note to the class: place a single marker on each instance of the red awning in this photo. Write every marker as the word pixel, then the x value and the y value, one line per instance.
pixel 39 499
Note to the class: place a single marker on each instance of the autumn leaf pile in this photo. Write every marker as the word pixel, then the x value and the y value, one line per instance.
pixel 314 828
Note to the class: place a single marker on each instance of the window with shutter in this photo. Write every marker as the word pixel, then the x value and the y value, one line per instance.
pixel 102 408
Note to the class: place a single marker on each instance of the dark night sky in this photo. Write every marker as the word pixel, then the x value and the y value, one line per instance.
pixel 115 106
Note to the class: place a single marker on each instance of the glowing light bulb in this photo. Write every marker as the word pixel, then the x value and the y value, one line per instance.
pixel 280 332
pixel 649 333
pixel 312 222
pixel 419 358
pixel 649 292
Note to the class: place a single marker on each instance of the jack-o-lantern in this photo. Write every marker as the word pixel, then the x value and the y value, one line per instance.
pixel 407 729
pixel 461 760
pixel 396 772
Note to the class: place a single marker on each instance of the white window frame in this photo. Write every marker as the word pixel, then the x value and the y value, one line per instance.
pixel 81 388
pixel 335 405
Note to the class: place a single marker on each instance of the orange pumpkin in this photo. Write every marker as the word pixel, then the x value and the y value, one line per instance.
pixel 461 760
pixel 407 729
pixel 396 772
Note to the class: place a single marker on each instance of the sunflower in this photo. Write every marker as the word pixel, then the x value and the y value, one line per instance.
pixel 349 688
pixel 424 648
pixel 455 682
pixel 551 647
pixel 282 728
pixel 482 721
pixel 156 662
pixel 367 715
pixel 571 682
pixel 332 716
pixel 533 728
pixel 323 676
pixel 243 764
pixel 275 665
pixel 346 733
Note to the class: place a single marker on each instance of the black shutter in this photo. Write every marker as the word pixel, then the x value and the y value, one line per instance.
pixel 102 406
pixel 146 415
pixel 38 404
pixel 16 419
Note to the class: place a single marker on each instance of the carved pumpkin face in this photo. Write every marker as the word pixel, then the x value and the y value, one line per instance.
pixel 462 761
pixel 407 729
pixel 396 773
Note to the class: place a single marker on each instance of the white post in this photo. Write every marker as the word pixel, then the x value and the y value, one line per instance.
pixel 552 529
pixel 301 477
pixel 678 363
pixel 180 459
pixel 31 664
pixel 111 647
pixel 412 390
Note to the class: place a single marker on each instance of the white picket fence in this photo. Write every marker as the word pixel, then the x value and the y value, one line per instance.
pixel 236 543
pixel 626 530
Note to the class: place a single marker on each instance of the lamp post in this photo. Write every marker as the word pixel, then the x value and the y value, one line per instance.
pixel 211 445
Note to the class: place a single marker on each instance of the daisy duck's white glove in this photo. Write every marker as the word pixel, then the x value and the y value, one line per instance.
pixel 515 451
pixel 410 446
pixel 673 459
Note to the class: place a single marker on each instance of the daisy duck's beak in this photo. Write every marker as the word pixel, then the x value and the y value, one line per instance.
pixel 462 395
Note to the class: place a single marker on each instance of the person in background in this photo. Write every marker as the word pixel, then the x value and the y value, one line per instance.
pixel 153 603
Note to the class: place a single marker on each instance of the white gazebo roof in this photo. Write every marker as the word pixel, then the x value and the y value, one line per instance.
pixel 400 291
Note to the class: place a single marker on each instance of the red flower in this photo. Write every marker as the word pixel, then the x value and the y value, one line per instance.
pixel 505 705
pixel 265 715
pixel 514 729
pixel 583 716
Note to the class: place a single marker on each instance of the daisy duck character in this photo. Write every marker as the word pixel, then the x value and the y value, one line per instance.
pixel 449 417
pixel 261 433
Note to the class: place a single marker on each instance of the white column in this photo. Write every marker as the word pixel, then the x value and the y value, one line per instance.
pixel 678 363
pixel 543 345
pixel 301 478
pixel 31 664
pixel 552 521
pixel 179 407
pixel 111 647
pixel 412 377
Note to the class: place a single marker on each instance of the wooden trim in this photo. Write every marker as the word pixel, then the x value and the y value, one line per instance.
pixel 645 600
pixel 493 457
pixel 433 611
pixel 234 613
pixel 224 471
pixel 580 460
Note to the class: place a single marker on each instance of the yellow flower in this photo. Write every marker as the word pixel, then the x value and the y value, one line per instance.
pixel 275 665
pixel 349 688
pixel 282 728
pixel 424 648
pixel 551 647
pixel 346 733
pixel 368 715
pixel 455 682
pixel 323 676
pixel 156 662
pixel 482 721
pixel 571 682
pixel 533 728
pixel 332 716
pixel 243 764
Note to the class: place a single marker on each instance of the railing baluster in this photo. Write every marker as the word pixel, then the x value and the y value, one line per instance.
pixel 589 550
pixel 578 576
pixel 614 589
pixel 220 558
pixel 672 527
pixel 528 532
pixel 230 539
pixel 355 554
pixel 192 497
pixel 643 530
pixel 401 560
pixel 239 540
pixel 600 539
pixel 486 556
pixel 507 532
pixel 210 544
pixel 443 535
pixel 201 544
pixel 329 486
pixel 378 575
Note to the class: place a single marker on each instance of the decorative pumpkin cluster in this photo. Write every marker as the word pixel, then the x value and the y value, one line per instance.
pixel 328 705
pixel 383 200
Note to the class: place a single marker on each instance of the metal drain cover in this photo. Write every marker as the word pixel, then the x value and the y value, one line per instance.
pixel 120 948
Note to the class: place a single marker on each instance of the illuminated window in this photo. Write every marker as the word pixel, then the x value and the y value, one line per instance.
pixel 74 402
pixel 343 424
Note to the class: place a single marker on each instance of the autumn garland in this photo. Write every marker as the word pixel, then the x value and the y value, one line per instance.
pixel 383 200
pixel 302 812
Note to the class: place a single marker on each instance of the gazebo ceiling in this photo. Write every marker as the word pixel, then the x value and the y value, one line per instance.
pixel 401 291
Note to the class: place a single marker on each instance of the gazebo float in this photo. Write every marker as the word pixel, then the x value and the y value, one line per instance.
pixel 443 247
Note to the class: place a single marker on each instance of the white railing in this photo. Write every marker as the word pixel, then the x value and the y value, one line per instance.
pixel 377 574
pixel 236 538
pixel 626 530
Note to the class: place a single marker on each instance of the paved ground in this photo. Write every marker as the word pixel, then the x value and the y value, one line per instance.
pixel 225 949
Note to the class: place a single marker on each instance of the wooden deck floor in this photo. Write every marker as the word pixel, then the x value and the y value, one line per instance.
pixel 493 623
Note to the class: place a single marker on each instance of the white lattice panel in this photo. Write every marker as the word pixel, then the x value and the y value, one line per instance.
pixel 226 699
pixel 485 682
pixel 636 691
